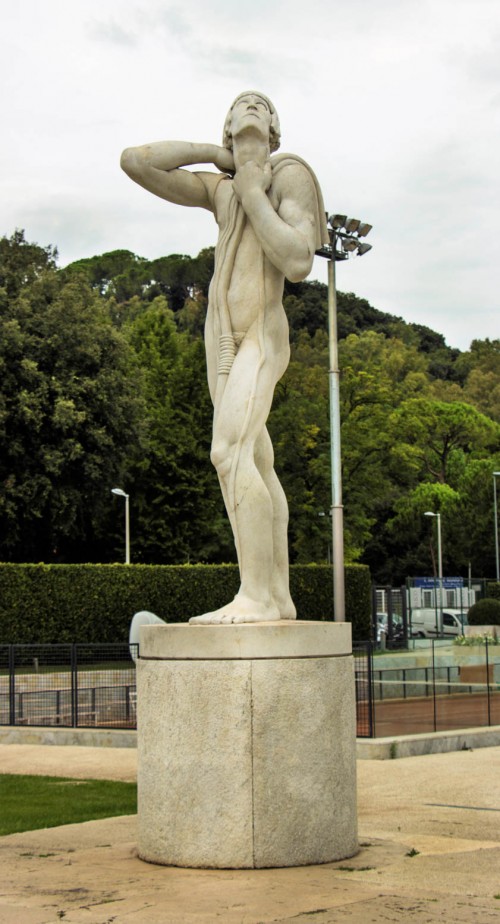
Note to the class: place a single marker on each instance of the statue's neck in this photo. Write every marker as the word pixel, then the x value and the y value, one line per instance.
pixel 250 148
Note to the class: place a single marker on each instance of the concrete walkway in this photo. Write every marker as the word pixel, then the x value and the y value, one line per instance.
pixel 430 852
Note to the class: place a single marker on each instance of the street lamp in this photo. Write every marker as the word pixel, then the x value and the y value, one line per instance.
pixel 120 493
pixel 497 557
pixel 345 234
pixel 429 513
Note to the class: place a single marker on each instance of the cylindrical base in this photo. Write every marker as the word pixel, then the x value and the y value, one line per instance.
pixel 247 749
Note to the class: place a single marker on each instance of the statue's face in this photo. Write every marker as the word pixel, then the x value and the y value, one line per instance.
pixel 250 110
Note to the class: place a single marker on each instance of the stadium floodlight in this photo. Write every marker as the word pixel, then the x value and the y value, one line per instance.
pixel 364 229
pixel 363 248
pixel 337 221
pixel 352 225
pixel 349 244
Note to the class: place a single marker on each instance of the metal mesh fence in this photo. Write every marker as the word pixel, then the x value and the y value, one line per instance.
pixel 106 687
pixel 67 685
pixel 6 713
pixel 441 688
pixel 363 656
pixel 434 688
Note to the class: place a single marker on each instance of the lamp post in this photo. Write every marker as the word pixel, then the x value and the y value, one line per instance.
pixel 345 234
pixel 120 493
pixel 429 513
pixel 497 556
pixel 323 514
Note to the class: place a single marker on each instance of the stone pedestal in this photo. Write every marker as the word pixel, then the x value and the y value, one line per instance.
pixel 246 745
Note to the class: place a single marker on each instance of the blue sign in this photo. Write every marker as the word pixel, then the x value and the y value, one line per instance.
pixel 449 583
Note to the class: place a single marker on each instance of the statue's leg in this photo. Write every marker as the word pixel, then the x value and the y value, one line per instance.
pixel 212 346
pixel 240 419
pixel 264 458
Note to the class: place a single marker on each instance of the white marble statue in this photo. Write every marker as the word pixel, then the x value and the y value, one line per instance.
pixel 271 220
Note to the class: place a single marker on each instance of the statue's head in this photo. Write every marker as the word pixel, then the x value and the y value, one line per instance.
pixel 274 130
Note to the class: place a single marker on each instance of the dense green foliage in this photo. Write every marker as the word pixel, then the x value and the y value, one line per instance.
pixel 33 802
pixel 493 589
pixel 485 612
pixel 103 384
pixel 70 410
pixel 95 603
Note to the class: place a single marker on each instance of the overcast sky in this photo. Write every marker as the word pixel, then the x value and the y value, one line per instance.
pixel 394 103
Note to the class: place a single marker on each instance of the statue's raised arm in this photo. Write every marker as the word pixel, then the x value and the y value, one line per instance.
pixel 158 168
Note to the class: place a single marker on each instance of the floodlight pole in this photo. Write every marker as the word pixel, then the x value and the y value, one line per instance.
pixel 344 236
pixel 337 509
pixel 495 510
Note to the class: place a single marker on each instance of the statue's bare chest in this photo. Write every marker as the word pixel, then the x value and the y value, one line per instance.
pixel 228 210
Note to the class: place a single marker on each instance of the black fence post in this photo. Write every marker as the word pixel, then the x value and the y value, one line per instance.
pixel 404 614
pixel 12 685
pixel 434 686
pixel 371 691
pixel 488 681
pixel 374 613
pixel 74 686
pixel 390 608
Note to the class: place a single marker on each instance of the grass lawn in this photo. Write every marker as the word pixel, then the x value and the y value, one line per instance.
pixel 31 802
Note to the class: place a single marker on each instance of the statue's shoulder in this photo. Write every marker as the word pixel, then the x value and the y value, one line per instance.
pixel 291 172
pixel 297 178
pixel 219 189
pixel 214 181
pixel 285 164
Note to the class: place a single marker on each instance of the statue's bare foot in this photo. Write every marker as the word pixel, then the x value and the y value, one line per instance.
pixel 241 609
pixel 286 607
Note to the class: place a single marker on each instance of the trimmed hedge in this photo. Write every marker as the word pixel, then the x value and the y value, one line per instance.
pixel 47 604
pixel 485 612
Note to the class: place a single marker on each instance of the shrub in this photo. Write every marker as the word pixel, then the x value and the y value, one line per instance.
pixel 485 612
pixel 493 589
pixel 95 603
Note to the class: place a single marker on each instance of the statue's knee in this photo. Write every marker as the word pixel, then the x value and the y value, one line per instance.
pixel 221 456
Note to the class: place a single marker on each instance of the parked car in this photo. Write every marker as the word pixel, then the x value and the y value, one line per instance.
pixel 425 623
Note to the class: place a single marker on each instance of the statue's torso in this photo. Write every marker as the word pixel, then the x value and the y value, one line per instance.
pixel 254 284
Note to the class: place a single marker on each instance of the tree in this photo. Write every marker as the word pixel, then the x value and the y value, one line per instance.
pixel 21 263
pixel 103 380
pixel 299 428
pixel 482 383
pixel 123 276
pixel 179 513
pixel 440 454
pixel 70 414
pixel 470 526
pixel 376 374
pixel 414 544
pixel 429 436
pixel 107 272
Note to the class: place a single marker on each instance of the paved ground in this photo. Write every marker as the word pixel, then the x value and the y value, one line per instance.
pixel 430 854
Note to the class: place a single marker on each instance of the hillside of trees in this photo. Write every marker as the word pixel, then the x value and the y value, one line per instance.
pixel 103 384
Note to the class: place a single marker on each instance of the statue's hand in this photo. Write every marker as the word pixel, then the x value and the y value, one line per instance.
pixel 251 176
pixel 224 160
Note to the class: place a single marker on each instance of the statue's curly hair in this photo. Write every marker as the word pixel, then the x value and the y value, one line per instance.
pixel 274 130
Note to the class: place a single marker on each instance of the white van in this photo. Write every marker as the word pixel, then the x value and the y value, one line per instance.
pixel 424 623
